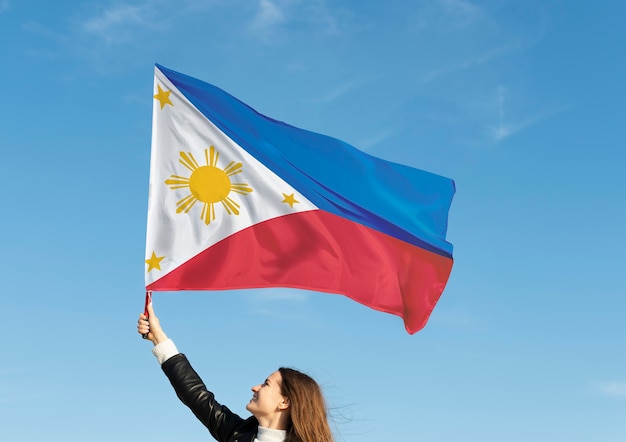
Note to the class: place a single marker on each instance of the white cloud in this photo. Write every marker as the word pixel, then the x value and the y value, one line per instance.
pixel 325 22
pixel 114 25
pixel 471 62
pixel 118 23
pixel 314 15
pixel 268 17
pixel 500 131
pixel 47 33
pixel 342 90
pixel 614 389
pixel 462 9
pixel 506 128
pixel 121 15
pixel 377 138
pixel 446 15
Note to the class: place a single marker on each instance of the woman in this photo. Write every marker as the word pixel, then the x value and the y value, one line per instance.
pixel 288 406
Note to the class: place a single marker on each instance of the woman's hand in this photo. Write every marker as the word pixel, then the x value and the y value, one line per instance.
pixel 150 327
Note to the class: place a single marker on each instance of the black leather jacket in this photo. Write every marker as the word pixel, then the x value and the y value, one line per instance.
pixel 224 425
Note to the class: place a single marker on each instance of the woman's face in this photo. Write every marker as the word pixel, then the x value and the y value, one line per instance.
pixel 267 399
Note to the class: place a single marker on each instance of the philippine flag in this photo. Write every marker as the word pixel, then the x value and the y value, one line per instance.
pixel 239 200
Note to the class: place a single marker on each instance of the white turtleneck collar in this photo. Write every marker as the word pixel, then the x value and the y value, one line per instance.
pixel 268 435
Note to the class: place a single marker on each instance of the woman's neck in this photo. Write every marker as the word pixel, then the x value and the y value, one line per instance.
pixel 277 421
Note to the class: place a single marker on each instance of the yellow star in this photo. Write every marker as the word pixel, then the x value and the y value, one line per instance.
pixel 289 199
pixel 163 97
pixel 154 262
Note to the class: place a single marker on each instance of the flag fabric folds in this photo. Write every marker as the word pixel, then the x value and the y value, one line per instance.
pixel 240 200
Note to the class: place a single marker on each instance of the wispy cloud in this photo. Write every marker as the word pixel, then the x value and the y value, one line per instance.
pixel 45 51
pixel 324 20
pixel 4 6
pixel 49 34
pixel 342 90
pixel 613 389
pixel 464 10
pixel 500 131
pixel 446 15
pixel 471 62
pixel 115 25
pixel 376 138
pixel 268 17
pixel 507 127
pixel 284 15
pixel 119 22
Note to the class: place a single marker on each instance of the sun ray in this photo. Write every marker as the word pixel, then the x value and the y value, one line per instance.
pixel 214 156
pixel 240 188
pixel 177 182
pixel 186 204
pixel 187 159
pixel 232 169
pixel 208 213
pixel 231 206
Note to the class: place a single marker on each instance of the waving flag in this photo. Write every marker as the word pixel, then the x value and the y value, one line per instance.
pixel 239 200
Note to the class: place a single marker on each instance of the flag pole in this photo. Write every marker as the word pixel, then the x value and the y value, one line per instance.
pixel 145 309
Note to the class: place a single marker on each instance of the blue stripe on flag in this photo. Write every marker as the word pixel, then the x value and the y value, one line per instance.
pixel 401 201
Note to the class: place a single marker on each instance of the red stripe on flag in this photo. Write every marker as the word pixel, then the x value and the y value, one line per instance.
pixel 320 251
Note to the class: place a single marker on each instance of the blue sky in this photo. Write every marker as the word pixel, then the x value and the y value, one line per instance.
pixel 522 103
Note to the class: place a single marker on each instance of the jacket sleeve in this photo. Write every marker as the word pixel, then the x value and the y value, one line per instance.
pixel 221 422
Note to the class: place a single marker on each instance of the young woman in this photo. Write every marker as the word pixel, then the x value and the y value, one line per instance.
pixel 287 407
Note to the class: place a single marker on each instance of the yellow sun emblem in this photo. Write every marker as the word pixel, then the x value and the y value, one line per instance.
pixel 209 184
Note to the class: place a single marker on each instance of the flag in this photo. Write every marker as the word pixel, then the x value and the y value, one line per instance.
pixel 240 200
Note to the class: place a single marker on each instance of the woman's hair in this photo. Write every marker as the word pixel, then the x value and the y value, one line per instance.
pixel 309 422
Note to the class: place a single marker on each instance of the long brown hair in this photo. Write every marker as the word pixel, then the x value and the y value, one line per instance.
pixel 307 408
